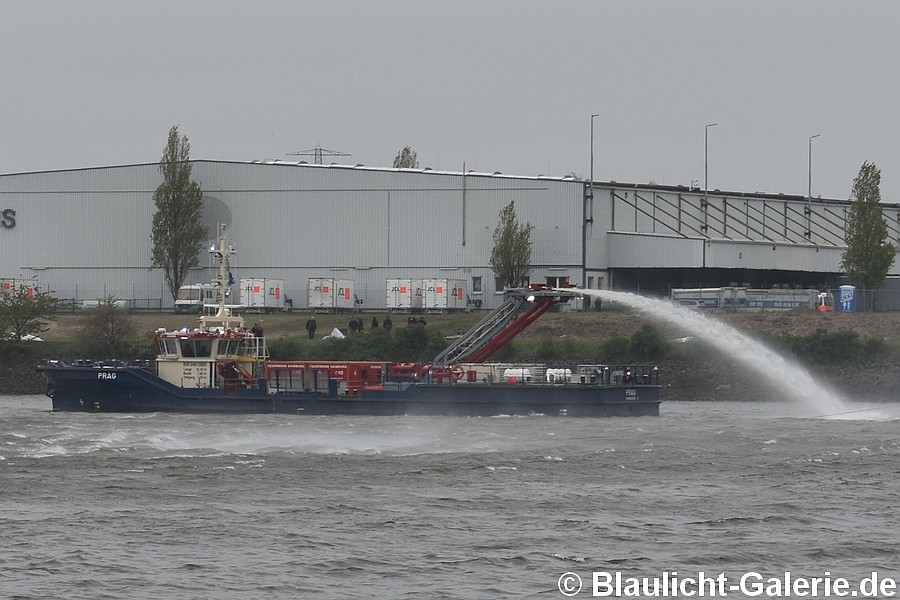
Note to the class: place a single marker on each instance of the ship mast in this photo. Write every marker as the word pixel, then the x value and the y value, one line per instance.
pixel 223 317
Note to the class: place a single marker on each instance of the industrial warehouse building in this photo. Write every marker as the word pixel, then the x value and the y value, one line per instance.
pixel 84 234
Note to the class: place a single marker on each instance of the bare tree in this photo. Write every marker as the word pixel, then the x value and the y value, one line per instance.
pixel 108 330
pixel 25 311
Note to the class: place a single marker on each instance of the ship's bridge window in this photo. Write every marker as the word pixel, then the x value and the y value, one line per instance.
pixel 253 347
pixel 229 347
pixel 168 346
pixel 191 348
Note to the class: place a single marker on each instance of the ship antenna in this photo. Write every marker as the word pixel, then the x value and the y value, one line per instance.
pixel 222 253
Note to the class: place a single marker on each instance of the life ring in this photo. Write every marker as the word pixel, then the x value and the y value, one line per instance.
pixel 457 373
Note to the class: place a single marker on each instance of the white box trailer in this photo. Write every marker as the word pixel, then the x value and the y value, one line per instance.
pixel 9 286
pixel 403 294
pixel 444 294
pixel 262 295
pixel 331 294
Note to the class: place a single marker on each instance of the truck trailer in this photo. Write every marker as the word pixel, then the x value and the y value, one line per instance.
pixel 264 295
pixel 403 295
pixel 331 295
pixel 444 295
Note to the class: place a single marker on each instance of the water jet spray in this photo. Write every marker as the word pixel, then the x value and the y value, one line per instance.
pixel 778 372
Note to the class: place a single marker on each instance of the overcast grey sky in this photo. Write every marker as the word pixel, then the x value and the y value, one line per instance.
pixel 500 86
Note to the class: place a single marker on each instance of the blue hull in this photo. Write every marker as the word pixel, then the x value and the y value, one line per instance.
pixel 132 389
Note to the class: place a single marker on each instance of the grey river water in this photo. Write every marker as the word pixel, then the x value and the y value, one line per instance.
pixel 237 507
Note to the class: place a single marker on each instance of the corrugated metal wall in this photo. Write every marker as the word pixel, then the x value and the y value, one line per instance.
pixel 371 225
pixel 328 216
pixel 630 250
pixel 82 233
pixel 85 233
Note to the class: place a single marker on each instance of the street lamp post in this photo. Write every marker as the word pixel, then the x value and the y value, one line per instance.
pixel 588 217
pixel 706 158
pixel 809 186
pixel 592 155
pixel 706 176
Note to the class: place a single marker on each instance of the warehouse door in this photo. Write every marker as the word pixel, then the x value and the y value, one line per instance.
pixel 558 281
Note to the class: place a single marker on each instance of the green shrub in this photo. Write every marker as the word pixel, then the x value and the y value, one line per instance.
pixel 827 347
pixel 616 348
pixel 285 348
pixel 548 350
pixel 647 342
pixel 404 344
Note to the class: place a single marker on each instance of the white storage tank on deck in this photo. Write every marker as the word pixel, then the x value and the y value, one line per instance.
pixel 516 374
pixel 559 375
